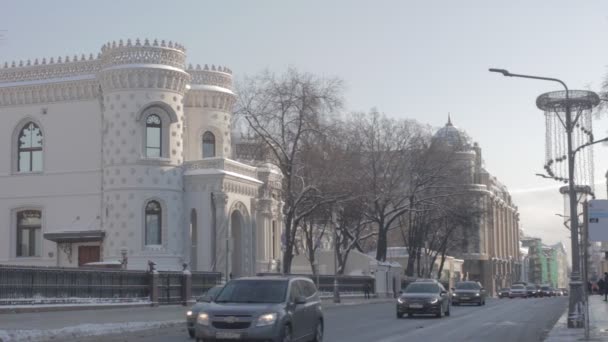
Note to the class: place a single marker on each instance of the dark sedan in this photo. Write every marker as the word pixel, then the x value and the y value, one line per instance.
pixel 504 293
pixel 428 297
pixel 546 291
pixel 532 291
pixel 469 292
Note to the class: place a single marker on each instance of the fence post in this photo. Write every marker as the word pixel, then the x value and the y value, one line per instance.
pixel 154 282
pixel 187 288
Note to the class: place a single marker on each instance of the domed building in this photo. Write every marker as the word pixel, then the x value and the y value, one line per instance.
pixel 128 156
pixel 490 247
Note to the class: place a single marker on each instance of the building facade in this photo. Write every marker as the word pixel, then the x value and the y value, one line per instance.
pixel 491 251
pixel 128 156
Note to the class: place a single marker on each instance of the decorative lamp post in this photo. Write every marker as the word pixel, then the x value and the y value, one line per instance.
pixel 559 107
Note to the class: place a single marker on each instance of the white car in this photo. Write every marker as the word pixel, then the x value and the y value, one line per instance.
pixel 518 291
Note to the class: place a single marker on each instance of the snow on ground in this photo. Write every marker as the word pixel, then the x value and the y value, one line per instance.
pixel 82 330
pixel 67 301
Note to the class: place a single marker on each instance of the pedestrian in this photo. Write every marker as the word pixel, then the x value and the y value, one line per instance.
pixel 366 290
pixel 605 286
pixel 601 285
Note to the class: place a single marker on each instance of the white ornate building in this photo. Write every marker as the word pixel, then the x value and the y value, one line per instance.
pixel 128 153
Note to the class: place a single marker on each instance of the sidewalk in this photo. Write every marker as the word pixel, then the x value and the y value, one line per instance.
pixel 598 324
pixel 42 326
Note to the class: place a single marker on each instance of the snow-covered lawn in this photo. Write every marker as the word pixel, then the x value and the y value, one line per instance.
pixel 82 330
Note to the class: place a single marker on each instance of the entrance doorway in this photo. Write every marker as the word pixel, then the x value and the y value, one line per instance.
pixel 236 229
pixel 88 254
pixel 193 240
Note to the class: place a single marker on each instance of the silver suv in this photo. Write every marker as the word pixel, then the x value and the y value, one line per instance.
pixel 263 309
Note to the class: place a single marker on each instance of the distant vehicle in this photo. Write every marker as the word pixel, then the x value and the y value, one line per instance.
pixel 564 291
pixel 546 291
pixel 424 297
pixel 202 302
pixel 518 291
pixel 469 292
pixel 503 293
pixel 273 308
pixel 531 291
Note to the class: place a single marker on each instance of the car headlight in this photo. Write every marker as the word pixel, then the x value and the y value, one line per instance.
pixel 266 319
pixel 434 301
pixel 454 294
pixel 203 319
pixel 189 313
pixel 477 294
pixel 400 300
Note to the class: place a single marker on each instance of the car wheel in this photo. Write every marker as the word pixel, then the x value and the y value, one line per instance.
pixel 319 332
pixel 440 313
pixel 191 333
pixel 399 315
pixel 286 337
pixel 479 304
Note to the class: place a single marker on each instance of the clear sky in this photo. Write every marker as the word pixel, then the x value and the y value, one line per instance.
pixel 414 59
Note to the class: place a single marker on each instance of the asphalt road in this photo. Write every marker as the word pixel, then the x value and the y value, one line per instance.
pixel 507 320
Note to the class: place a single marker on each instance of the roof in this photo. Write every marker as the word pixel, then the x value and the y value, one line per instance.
pixel 452 136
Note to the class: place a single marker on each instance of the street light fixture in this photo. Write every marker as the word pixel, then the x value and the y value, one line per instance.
pixel 576 294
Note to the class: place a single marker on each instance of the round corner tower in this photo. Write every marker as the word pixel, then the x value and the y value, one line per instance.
pixel 143 85
pixel 208 109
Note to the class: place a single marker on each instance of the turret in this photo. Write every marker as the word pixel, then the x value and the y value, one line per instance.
pixel 143 85
pixel 209 105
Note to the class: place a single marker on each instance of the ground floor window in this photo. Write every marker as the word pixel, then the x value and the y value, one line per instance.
pixel 29 236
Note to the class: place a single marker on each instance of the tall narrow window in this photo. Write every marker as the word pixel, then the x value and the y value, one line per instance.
pixel 30 149
pixel 153 223
pixel 274 239
pixel 208 145
pixel 153 136
pixel 29 237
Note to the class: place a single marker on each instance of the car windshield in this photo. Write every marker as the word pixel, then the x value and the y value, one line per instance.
pixel 517 287
pixel 422 288
pixel 213 291
pixel 531 288
pixel 253 291
pixel 467 286
pixel 545 288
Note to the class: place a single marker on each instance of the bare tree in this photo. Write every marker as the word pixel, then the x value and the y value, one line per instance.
pixel 384 146
pixel 284 112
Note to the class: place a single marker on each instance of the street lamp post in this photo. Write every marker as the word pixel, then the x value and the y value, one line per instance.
pixel 576 295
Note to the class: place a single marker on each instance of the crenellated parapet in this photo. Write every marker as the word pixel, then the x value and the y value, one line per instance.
pixel 51 69
pixel 143 65
pixel 210 87
pixel 220 76
pixel 131 53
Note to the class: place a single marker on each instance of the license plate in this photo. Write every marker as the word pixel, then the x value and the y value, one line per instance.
pixel 228 335
pixel 416 306
pixel 466 298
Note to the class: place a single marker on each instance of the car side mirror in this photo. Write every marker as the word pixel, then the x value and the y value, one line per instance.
pixel 300 300
pixel 482 289
pixel 443 293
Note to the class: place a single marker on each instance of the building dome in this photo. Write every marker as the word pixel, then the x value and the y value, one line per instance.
pixel 452 136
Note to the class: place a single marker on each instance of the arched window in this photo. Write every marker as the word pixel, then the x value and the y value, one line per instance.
pixel 29 149
pixel 153 223
pixel 153 136
pixel 208 145
pixel 29 236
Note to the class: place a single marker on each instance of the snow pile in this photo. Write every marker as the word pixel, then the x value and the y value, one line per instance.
pixel 39 300
pixel 83 330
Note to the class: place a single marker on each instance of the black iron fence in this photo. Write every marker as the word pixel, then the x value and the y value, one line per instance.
pixel 346 284
pixel 29 284
pixel 203 281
